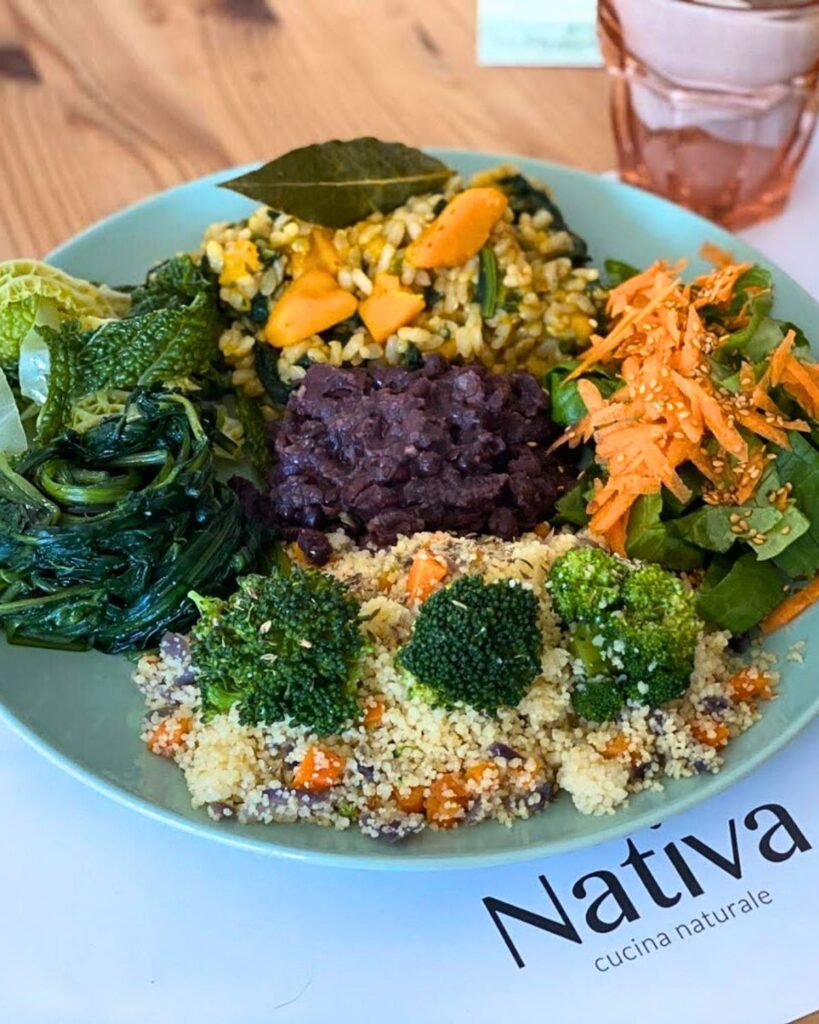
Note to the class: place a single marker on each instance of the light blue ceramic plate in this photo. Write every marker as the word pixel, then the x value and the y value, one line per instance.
pixel 81 711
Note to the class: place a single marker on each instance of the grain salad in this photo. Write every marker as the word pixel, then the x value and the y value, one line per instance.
pixel 549 302
pixel 503 767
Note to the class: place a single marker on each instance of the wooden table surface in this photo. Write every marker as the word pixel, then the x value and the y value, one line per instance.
pixel 106 101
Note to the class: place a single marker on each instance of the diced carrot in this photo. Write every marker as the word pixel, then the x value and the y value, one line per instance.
pixel 542 530
pixel 750 683
pixel 792 606
pixel 410 800
pixel 616 746
pixel 168 736
pixel 447 800
pixel 373 712
pixel 711 733
pixel 484 774
pixel 425 576
pixel 320 768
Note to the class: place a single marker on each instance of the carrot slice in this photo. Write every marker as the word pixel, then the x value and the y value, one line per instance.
pixel 780 357
pixel 792 606
pixel 373 713
pixel 711 733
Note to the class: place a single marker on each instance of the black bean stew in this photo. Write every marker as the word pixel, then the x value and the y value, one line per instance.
pixel 383 451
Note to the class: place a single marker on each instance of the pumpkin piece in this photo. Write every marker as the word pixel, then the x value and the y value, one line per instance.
pixel 168 737
pixel 447 800
pixel 711 733
pixel 425 576
pixel 616 746
pixel 411 800
pixel 389 307
pixel 320 768
pixel 373 713
pixel 320 255
pixel 311 304
pixel 460 230
pixel 749 684
pixel 241 259
pixel 483 775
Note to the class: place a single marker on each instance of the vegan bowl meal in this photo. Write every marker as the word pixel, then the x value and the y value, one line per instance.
pixel 496 526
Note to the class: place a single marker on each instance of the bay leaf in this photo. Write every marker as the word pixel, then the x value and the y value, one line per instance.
pixel 339 182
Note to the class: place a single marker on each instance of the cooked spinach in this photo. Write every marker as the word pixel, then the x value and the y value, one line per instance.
pixel 103 534
pixel 524 197
pixel 487 291
pixel 566 406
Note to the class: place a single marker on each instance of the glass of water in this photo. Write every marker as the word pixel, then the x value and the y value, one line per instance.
pixel 714 102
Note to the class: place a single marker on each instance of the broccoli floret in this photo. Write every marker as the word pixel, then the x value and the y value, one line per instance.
pixel 597 700
pixel 585 582
pixel 288 645
pixel 634 629
pixel 475 642
pixel 654 638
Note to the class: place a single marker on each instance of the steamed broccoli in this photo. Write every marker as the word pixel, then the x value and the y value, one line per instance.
pixel 597 700
pixel 584 582
pixel 596 696
pixel 475 642
pixel 654 638
pixel 633 630
pixel 285 645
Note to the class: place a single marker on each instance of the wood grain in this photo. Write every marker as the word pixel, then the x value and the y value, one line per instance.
pixel 106 101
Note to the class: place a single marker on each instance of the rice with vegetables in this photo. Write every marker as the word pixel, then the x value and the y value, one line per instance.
pixel 545 303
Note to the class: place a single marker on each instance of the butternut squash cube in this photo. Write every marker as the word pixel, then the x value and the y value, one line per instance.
pixel 320 254
pixel 460 230
pixel 389 307
pixel 241 258
pixel 311 304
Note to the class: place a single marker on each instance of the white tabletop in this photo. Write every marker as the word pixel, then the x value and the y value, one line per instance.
pixel 110 918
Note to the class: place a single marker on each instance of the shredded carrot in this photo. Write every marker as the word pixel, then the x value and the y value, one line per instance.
pixel 715 254
pixel 792 606
pixel 616 534
pixel 780 357
pixel 801 384
pixel 320 768
pixel 670 412
pixel 425 576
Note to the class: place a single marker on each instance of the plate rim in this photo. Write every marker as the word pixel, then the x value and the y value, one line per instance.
pixel 397 860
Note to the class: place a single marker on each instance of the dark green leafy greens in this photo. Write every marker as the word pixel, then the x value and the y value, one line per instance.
pixel 339 182
pixel 566 406
pixel 487 293
pixel 524 197
pixel 103 534
pixel 170 333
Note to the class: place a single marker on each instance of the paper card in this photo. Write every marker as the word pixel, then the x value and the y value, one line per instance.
pixel 538 33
